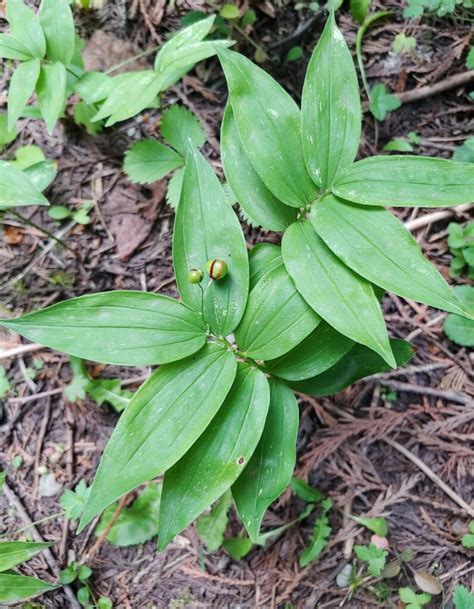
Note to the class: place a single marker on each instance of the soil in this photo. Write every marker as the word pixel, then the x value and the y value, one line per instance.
pixel 346 442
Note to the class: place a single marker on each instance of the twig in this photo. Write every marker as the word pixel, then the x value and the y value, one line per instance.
pixel 15 501
pixel 20 350
pixel 300 30
pixel 95 548
pixel 39 446
pixel 445 394
pixel 419 93
pixel 431 475
pixel 436 216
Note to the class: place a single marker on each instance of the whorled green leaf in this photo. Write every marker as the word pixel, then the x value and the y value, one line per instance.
pixel 323 348
pixel 330 108
pixel 13 553
pixel 270 468
pixel 149 160
pixel 25 27
pixel 216 460
pixel 276 317
pixel 119 327
pixel 345 300
pixel 375 244
pixel 17 189
pixel 407 181
pixel 263 258
pixel 42 174
pixel 130 93
pixel 13 49
pixel 206 228
pixel 135 524
pixel 179 127
pixel 258 203
pixel 51 92
pixel 161 422
pixel 20 587
pixel 357 364
pixel 211 527
pixel 58 27
pixel 268 122
pixel 22 85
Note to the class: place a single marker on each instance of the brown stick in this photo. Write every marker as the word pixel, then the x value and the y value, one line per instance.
pixel 419 93
pixel 436 216
pixel 430 473
pixel 449 395
pixel 14 501
pixel 95 548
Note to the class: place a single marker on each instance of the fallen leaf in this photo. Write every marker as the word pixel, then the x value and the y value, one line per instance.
pixel 13 235
pixel 428 583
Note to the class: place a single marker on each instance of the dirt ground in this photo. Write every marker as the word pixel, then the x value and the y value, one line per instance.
pixel 349 444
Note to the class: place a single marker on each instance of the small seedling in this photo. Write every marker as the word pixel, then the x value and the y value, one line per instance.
pixel 382 102
pixel 461 245
pixel 468 539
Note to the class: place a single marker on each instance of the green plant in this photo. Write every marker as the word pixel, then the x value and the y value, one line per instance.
pixel 463 598
pixel 149 160
pixel 15 587
pixel 413 600
pixel 117 98
pixel 220 413
pixel 468 539
pixel 461 245
pixel 416 8
pixel 45 44
pixel 81 573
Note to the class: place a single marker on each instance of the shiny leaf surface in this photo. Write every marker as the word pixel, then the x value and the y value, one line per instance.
pixel 17 189
pixel 207 228
pixel 211 466
pixel 401 181
pixel 25 27
pixel 119 327
pixel 20 587
pixel 15 552
pixel 51 92
pixel 330 107
pixel 22 85
pixel 270 468
pixel 346 301
pixel 161 422
pixel 268 120
pixel 58 27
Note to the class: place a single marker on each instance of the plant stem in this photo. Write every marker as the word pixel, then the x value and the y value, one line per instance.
pixel 126 62
pixel 42 229
pixel 28 526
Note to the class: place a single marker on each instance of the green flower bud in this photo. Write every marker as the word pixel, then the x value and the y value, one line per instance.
pixel 216 268
pixel 195 276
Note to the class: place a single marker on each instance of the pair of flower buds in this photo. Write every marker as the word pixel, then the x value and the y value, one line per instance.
pixel 216 269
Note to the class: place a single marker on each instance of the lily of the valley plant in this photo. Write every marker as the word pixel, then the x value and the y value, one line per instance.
pixel 220 412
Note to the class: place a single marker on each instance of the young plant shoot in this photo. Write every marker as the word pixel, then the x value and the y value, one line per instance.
pixel 219 413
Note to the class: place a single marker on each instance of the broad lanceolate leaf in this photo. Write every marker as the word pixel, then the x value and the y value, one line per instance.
pixel 25 27
pixel 17 189
pixel 120 327
pixel 207 228
pixel 130 93
pixel 342 298
pixel 259 205
pixel 13 49
pixel 94 87
pixel 357 364
pixel 276 317
pixel 270 468
pixel 51 92
pixel 136 524
pixel 15 552
pixel 268 122
pixel 210 467
pixel 149 160
pixel 20 587
pixel 211 527
pixel 22 85
pixel 179 127
pixel 375 244
pixel 58 27
pixel 162 421
pixel 401 181
pixel 330 108
pixel 323 348
pixel 263 258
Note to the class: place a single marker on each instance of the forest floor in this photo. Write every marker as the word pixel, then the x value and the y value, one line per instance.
pixel 349 444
